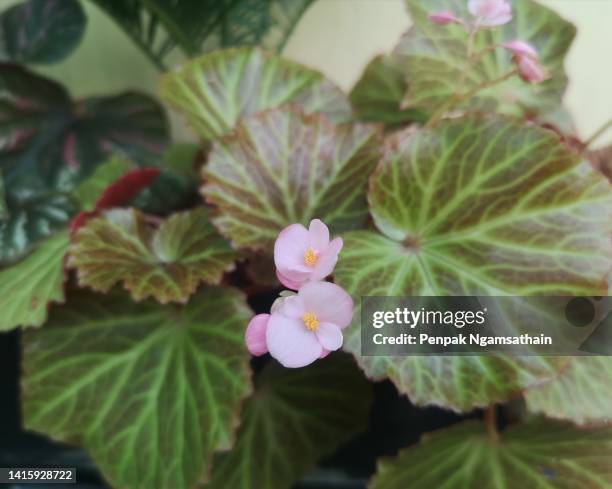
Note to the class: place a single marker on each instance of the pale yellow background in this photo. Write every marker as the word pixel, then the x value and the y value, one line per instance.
pixel 339 37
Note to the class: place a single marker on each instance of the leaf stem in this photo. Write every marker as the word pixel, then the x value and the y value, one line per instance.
pixel 458 97
pixel 598 133
pixel 490 419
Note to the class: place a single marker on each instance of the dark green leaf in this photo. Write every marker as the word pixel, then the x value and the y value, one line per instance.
pixel 149 391
pixel 31 217
pixel 41 31
pixel 27 287
pixel 436 60
pixel 51 141
pixel 477 206
pixel 281 167
pixel 168 262
pixel 537 455
pixel 48 144
pixel 295 418
pixel 158 26
pixel 216 90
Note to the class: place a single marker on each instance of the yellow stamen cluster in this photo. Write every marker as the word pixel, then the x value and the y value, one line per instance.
pixel 310 257
pixel 310 321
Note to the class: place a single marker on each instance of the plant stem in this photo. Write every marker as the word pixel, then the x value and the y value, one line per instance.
pixel 598 133
pixel 458 97
pixel 490 419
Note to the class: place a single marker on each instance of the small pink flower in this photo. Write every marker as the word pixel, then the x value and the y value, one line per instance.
pixel 521 48
pixel 530 70
pixel 490 13
pixel 444 18
pixel 302 255
pixel 309 325
pixel 255 336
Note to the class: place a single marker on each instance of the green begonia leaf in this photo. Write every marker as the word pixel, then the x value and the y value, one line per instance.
pixel 28 286
pixel 41 31
pixel 378 94
pixel 537 455
pixel 167 262
pixel 281 167
pixel 295 418
pixel 436 61
pixel 582 394
pixel 158 26
pixel 150 391
pixel 214 91
pixel 477 207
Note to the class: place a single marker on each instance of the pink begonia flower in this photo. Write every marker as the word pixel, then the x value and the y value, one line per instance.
pixel 490 13
pixel 255 336
pixel 521 48
pixel 309 325
pixel 530 70
pixel 444 18
pixel 302 255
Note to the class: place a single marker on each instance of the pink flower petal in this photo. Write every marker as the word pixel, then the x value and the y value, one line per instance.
pixel 289 248
pixel 291 343
pixel 319 235
pixel 521 48
pixel 330 336
pixel 490 13
pixel 530 70
pixel 324 353
pixel 329 302
pixel 293 307
pixel 444 18
pixel 289 282
pixel 327 261
pixel 255 336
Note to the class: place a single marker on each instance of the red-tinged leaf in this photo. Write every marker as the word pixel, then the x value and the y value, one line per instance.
pixel 126 188
pixel 79 221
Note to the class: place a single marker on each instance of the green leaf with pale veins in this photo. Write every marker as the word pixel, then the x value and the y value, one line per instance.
pixel 167 262
pixel 214 91
pixel 295 418
pixel 28 286
pixel 477 207
pixel 378 94
pixel 537 455
pixel 41 31
pixel 283 166
pixel 150 392
pixel 582 393
pixel 436 59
